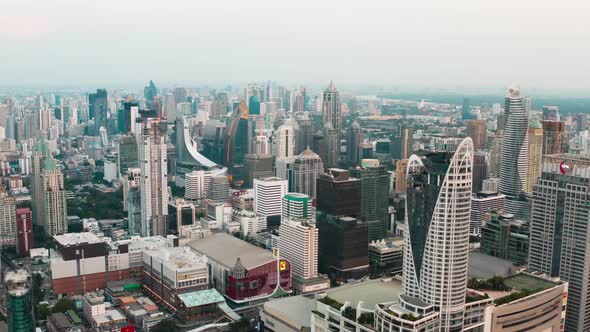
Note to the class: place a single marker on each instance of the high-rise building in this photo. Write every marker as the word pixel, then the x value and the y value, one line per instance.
pixel 285 141
pixel 535 151
pixel 150 92
pixel 331 146
pixel 154 177
pixel 305 170
pixel 480 169
pixel 261 145
pixel 8 223
pixel 355 139
pixel 482 204
pixel 303 135
pixel 477 130
pixel 98 109
pixel 466 110
pixel 54 199
pixel 374 197
pixel 514 156
pixel 436 240
pixel 332 112
pixel 402 142
pixel 196 185
pixel 297 206
pixel 553 137
pixel 560 237
pixel 400 175
pixel 257 166
pixel 505 237
pixel 24 229
pixel 581 121
pixel 19 301
pixel 550 113
pixel 127 116
pixel 127 153
pixel 268 196
pixel 39 154
pixel 254 105
pixel 237 141
pixel 343 236
pixel 218 189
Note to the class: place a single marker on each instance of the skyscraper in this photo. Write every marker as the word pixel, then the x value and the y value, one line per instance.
pixel 303 135
pixel 560 237
pixel 477 130
pixel 402 142
pixel 480 169
pixel 332 113
pixel 436 240
pixel 355 139
pixel 297 206
pixel 39 154
pixel 550 113
pixel 24 228
pixel 239 135
pixel 127 153
pixel 331 146
pixel 466 110
pixel 305 170
pixel 150 92
pixel 285 141
pixel 126 117
pixel 514 156
pixel 98 109
pixel 254 105
pixel 374 197
pixel 535 151
pixel 8 223
pixel 268 196
pixel 257 166
pixel 154 177
pixel 54 199
pixel 553 137
pixel 19 301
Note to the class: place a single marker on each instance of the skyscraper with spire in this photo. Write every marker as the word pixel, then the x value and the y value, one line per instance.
pixel 514 155
pixel 332 113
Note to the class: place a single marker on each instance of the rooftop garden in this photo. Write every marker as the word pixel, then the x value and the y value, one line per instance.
pixel 495 283
pixel 331 302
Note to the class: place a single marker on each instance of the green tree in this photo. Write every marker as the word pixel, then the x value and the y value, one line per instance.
pixel 166 325
pixel 43 311
pixel 63 305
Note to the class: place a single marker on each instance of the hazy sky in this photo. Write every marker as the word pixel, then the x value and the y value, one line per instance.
pixel 452 44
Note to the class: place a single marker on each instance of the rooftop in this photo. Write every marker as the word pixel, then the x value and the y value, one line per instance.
pixel 69 239
pixel 143 243
pixel 177 258
pixel 370 292
pixel 294 310
pixel 202 297
pixel 17 282
pixel 484 267
pixel 226 249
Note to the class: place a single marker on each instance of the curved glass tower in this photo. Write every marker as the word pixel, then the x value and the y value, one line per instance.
pixel 438 199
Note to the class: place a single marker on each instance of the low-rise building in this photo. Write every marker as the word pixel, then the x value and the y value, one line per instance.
pixel 386 256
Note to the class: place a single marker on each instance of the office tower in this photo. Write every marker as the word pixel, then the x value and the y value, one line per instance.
pixel 285 141
pixel 24 229
pixel 550 113
pixel 305 170
pixel 477 130
pixel 183 109
pixel 170 107
pixel 131 180
pixel 19 301
pixel 400 175
pixel 402 142
pixel 54 201
pixel 257 166
pixel 297 206
pixel 268 196
pixel 40 153
pixel 343 236
pixel 482 204
pixel 355 139
pixel 283 169
pixel 127 153
pixel 196 185
pixel 303 135
pixel 239 133
pixel 436 240
pixel 98 109
pixel 491 184
pixel 331 146
pixel 254 105
pixel 374 196
pixel 560 237
pixel 553 137
pixel 127 116
pixel 44 119
pixel 298 243
pixel 213 141
pixel 480 169
pixel 154 177
pixel 150 92
pixel 261 145
pixel 535 151
pixel 513 162
pixel 505 237
pixel 332 113
pixel 581 121
pixel 466 110
pixel 8 224
pixel 218 190
pixel 180 95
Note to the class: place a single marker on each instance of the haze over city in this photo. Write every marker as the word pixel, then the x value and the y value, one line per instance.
pixel 455 45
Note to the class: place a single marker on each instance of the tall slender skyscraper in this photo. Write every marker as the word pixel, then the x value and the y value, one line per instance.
pixel 285 141
pixel 305 171
pixel 54 199
pixel 514 156
pixel 436 240
pixel 331 146
pixel 98 109
pixel 560 233
pixel 154 177
pixel 477 130
pixel 40 152
pixel 333 112
pixel 535 154
pixel 355 139
pixel 402 142
pixel 553 137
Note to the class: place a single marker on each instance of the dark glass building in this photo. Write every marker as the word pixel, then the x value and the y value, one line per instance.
pixel 505 237
pixel 254 105
pixel 124 118
pixel 98 109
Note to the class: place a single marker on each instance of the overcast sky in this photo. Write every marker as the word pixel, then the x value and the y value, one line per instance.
pixel 451 44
